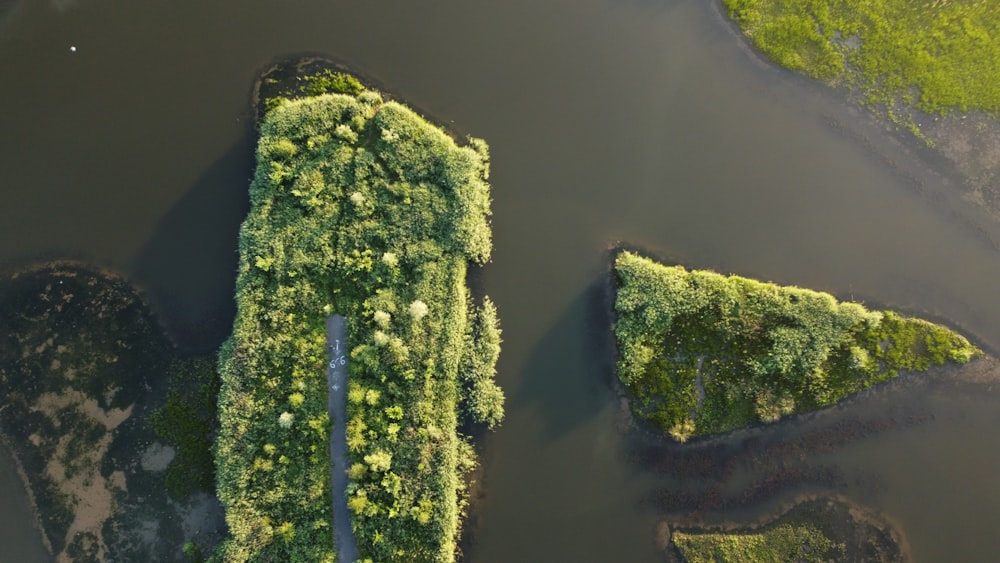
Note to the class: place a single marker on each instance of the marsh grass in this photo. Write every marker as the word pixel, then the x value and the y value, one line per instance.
pixel 938 55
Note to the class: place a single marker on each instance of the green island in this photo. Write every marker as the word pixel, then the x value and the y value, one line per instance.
pixel 815 530
pixel 701 353
pixel 358 207
pixel 937 56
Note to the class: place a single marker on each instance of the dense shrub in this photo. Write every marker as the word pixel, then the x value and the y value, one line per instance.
pixel 703 353
pixel 483 397
pixel 360 208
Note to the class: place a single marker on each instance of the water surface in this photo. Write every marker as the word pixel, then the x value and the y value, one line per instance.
pixel 638 120
pixel 21 539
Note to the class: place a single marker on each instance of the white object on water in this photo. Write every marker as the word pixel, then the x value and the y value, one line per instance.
pixel 72 48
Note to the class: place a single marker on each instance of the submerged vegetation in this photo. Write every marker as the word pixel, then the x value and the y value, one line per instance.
pixel 937 55
pixel 186 422
pixel 702 353
pixel 83 369
pixel 362 208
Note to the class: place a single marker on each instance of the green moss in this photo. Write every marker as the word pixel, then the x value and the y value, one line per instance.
pixel 779 544
pixel 703 353
pixel 362 208
pixel 942 55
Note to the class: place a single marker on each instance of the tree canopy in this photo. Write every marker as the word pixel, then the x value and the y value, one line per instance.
pixel 362 208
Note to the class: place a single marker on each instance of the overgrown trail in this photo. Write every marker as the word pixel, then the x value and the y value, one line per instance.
pixel 336 374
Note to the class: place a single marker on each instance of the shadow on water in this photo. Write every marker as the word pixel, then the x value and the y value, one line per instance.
pixel 752 474
pixel 566 415
pixel 561 370
pixel 188 267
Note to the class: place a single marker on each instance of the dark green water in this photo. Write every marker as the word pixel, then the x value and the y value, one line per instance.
pixel 637 120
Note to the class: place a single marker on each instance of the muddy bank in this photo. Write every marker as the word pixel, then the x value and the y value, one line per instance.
pixel 972 143
pixel 83 367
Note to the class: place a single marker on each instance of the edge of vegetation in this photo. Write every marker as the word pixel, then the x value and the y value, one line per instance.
pixel 358 207
pixel 701 353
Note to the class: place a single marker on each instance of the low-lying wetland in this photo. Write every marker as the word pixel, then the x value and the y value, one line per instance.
pixel 84 370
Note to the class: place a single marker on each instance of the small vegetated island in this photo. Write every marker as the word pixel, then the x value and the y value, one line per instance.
pixel 358 207
pixel 702 353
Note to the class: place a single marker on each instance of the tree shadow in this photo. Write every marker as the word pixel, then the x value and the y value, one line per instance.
pixel 188 267
pixel 570 372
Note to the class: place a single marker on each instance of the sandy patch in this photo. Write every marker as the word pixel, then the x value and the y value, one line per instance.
pixel 50 404
pixel 76 471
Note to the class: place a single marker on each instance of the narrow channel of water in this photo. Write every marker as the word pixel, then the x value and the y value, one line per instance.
pixel 638 120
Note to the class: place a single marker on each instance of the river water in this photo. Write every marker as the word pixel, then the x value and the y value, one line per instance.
pixel 647 121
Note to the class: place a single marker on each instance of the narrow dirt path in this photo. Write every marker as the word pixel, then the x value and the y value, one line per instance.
pixel 336 376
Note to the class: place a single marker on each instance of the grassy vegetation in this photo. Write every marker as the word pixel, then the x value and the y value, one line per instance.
pixel 702 353
pixel 779 544
pixel 362 208
pixel 938 54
